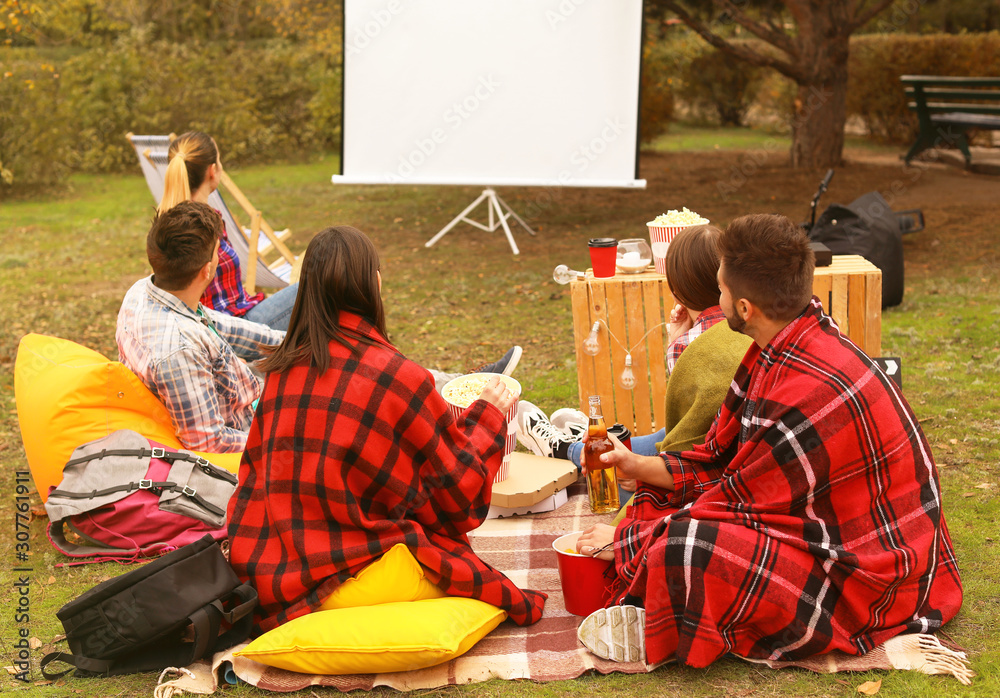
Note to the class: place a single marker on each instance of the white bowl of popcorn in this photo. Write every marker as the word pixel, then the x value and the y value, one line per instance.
pixel 462 391
pixel 665 227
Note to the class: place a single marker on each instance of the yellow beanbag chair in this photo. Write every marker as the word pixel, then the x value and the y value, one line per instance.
pixel 398 636
pixel 67 395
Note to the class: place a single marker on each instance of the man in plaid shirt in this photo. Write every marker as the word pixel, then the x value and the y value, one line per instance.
pixel 809 521
pixel 192 358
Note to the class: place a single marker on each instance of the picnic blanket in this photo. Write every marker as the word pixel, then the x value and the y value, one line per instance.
pixel 545 651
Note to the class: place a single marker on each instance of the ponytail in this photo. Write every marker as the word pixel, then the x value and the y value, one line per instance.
pixel 176 186
pixel 191 154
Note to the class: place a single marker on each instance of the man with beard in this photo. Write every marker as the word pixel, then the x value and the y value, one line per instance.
pixel 810 519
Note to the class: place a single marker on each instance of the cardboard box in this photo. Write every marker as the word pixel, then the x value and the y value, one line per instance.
pixel 548 504
pixel 531 479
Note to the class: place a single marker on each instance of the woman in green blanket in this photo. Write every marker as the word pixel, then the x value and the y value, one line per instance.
pixel 700 372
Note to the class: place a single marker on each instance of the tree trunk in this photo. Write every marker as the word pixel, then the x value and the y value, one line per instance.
pixel 821 104
pixel 818 125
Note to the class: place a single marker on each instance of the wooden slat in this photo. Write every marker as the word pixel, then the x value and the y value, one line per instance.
pixel 873 324
pixel 658 305
pixel 603 378
pixel 585 380
pixel 636 322
pixel 838 299
pixel 616 321
pixel 950 80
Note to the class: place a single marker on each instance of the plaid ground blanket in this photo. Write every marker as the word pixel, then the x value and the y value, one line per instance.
pixel 546 651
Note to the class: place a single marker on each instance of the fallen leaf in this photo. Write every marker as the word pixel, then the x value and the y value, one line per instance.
pixel 870 688
pixel 57 638
pixel 983 486
pixel 43 682
pixel 953 441
pixel 11 670
pixel 52 580
pixel 968 494
pixel 34 643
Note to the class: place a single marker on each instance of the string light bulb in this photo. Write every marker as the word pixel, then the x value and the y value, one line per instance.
pixel 592 344
pixel 627 378
pixel 563 274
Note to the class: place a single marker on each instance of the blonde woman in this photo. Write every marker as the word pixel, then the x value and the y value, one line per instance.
pixel 193 173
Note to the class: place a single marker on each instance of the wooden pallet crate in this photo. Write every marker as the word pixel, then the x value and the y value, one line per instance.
pixel 636 309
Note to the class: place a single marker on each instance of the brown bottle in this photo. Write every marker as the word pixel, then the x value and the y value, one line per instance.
pixel 602 481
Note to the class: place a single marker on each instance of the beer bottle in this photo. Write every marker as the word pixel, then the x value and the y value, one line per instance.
pixel 602 481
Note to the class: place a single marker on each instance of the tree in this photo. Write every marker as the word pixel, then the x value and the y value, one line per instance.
pixel 811 49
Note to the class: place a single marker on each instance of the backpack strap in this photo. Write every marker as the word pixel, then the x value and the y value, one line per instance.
pixel 57 537
pixel 162 454
pixel 97 666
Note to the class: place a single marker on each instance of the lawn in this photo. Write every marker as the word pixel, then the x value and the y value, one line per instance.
pixel 69 255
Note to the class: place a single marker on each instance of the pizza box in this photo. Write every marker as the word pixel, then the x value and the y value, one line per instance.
pixel 550 503
pixel 531 479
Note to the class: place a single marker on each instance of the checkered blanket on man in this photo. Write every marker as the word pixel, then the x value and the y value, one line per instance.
pixel 815 519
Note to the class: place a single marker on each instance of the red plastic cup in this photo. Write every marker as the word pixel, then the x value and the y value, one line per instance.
pixel 510 442
pixel 584 586
pixel 603 255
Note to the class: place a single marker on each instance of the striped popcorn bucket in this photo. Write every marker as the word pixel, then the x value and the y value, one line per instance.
pixel 660 237
pixel 460 392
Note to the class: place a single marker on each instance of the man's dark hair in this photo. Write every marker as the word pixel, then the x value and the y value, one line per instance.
pixel 180 242
pixel 767 260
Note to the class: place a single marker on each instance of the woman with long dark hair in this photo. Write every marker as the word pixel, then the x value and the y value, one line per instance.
pixel 352 451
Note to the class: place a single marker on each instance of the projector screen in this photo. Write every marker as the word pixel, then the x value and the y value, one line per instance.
pixel 491 92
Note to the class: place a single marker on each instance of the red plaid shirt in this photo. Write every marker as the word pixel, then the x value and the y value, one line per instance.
pixel 340 467
pixel 815 518
pixel 705 320
pixel 226 293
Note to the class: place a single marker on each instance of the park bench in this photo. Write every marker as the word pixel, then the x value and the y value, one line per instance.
pixel 948 107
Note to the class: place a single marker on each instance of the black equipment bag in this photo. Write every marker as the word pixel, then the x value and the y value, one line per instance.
pixel 140 621
pixel 867 227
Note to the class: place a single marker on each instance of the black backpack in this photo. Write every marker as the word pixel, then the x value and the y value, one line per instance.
pixel 867 227
pixel 138 621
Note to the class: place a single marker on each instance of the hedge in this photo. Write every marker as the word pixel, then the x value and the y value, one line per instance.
pixel 263 102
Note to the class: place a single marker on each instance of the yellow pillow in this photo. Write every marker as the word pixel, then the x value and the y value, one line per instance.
pixel 67 395
pixel 395 576
pixel 376 639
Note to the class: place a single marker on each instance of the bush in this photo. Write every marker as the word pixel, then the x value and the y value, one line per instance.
pixel 718 86
pixel 656 103
pixel 34 140
pixel 877 61
pixel 266 101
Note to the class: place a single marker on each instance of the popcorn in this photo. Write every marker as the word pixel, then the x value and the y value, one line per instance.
pixel 463 393
pixel 674 217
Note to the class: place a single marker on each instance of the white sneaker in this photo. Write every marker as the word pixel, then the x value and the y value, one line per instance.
pixel 536 433
pixel 570 420
pixel 617 633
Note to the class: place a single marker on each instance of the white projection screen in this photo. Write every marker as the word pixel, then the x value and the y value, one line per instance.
pixel 491 92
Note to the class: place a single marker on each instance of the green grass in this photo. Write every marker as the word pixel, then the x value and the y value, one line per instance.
pixel 682 137
pixel 68 257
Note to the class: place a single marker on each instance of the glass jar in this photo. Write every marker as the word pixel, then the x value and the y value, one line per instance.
pixel 634 256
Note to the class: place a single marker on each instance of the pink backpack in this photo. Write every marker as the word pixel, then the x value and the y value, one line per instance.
pixel 129 497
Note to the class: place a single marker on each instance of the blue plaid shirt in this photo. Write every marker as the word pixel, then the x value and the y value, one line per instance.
pixel 194 364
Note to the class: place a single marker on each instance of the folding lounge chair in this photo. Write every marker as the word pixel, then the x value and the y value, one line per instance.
pixel 249 245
